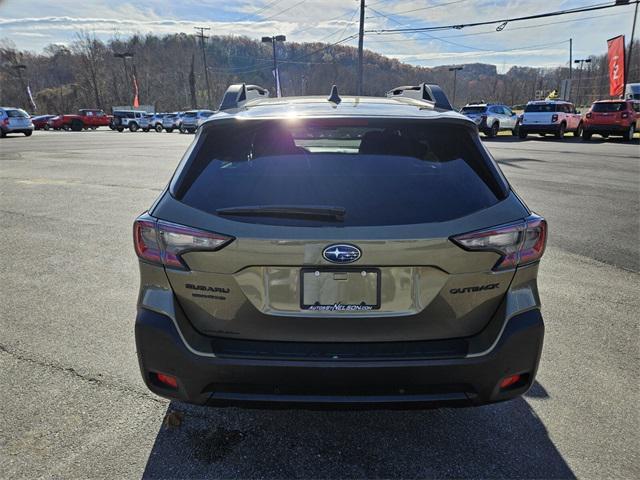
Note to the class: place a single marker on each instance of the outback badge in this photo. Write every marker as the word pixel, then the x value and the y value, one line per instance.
pixel 341 253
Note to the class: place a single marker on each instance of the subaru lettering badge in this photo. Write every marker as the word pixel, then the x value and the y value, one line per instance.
pixel 341 253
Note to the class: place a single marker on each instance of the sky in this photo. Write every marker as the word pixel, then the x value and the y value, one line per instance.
pixel 33 24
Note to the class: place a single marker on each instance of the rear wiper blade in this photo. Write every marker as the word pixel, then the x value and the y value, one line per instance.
pixel 311 212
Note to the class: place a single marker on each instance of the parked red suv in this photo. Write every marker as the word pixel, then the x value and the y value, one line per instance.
pixel 612 117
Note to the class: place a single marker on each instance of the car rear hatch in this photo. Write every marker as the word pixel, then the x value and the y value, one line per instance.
pixel 540 114
pixel 18 119
pixel 335 231
pixel 608 113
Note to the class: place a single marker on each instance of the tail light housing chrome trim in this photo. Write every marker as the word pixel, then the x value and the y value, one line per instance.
pixel 518 243
pixel 164 243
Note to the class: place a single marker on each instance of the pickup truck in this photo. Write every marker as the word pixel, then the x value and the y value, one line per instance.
pixel 84 119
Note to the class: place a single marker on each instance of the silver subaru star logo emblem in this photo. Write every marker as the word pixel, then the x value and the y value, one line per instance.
pixel 341 253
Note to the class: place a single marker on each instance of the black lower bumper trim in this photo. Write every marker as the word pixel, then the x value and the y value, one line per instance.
pixel 338 383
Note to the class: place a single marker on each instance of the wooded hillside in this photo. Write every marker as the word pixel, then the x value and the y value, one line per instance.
pixel 170 75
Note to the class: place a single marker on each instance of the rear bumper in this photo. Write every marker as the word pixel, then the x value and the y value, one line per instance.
pixel 545 128
pixel 607 129
pixel 21 129
pixel 227 380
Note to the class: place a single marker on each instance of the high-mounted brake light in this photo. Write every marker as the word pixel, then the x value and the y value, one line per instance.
pixel 518 244
pixel 161 242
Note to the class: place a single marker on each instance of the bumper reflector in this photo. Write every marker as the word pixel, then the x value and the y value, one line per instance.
pixel 509 381
pixel 166 380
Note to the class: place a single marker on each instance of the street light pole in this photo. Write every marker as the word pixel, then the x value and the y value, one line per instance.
pixel 19 68
pixel 455 71
pixel 581 61
pixel 276 73
pixel 124 56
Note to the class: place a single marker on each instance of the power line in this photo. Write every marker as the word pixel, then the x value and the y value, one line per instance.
pixel 503 21
pixel 425 8
pixel 491 32
pixel 283 11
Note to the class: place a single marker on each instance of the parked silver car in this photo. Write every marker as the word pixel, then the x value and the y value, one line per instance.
pixel 491 118
pixel 15 120
pixel 192 119
pixel 171 121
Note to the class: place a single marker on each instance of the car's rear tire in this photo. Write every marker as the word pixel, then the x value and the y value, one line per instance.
pixel 146 129
pixel 28 133
pixel 169 130
pixel 561 131
pixel 47 127
pixel 522 135
pixel 133 127
pixel 493 131
pixel 628 137
pixel 604 135
pixel 158 128
pixel 77 125
pixel 120 129
pixel 2 133
pixel 586 135
pixel 578 131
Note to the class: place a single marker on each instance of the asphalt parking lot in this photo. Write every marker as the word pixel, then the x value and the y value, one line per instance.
pixel 72 404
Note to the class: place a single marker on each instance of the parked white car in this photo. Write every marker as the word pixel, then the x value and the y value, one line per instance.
pixel 550 117
pixel 130 119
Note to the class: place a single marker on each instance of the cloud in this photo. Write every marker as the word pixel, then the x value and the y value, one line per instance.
pixel 34 24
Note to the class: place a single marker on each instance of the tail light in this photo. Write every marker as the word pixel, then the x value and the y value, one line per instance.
pixel 554 117
pixel 518 244
pixel 163 243
pixel 5 122
pixel 589 115
pixel 624 115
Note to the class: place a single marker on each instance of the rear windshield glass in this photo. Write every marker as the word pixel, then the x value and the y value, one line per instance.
pixel 609 107
pixel 191 114
pixel 17 113
pixel 473 110
pixel 541 107
pixel 377 172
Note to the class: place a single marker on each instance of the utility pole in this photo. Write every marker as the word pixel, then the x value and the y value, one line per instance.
pixel 202 37
pixel 570 58
pixel 455 71
pixel 628 60
pixel 360 48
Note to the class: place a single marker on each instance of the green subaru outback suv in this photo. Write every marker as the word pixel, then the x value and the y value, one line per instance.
pixel 354 251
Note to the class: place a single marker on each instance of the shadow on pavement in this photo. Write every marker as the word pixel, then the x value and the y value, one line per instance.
pixel 505 440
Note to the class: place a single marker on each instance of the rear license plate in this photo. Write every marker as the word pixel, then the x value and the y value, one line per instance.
pixel 340 290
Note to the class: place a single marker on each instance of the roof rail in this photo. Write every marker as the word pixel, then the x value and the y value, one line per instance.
pixel 238 94
pixel 426 92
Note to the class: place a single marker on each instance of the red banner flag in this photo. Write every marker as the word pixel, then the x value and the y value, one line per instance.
pixel 136 102
pixel 616 65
